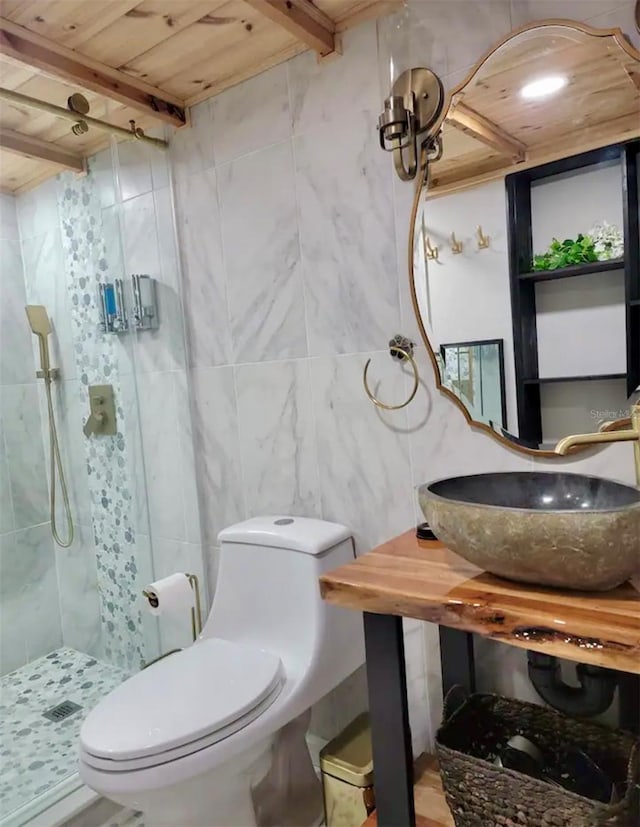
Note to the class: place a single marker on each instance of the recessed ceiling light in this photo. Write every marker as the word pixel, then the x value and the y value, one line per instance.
pixel 543 87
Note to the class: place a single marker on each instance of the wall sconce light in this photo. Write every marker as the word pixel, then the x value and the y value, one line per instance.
pixel 410 110
pixel 414 103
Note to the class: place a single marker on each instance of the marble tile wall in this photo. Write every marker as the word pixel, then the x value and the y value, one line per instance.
pixel 293 233
pixel 30 620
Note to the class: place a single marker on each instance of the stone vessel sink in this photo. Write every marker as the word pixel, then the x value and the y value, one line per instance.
pixel 564 530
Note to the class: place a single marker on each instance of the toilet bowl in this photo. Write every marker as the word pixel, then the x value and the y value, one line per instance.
pixel 189 740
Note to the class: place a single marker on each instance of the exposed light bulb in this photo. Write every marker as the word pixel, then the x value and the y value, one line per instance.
pixel 543 87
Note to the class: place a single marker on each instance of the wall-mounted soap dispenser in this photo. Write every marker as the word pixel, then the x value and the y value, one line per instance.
pixel 145 308
pixel 112 307
pixel 113 313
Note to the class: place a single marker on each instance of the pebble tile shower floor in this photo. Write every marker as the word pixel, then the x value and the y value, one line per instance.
pixel 37 753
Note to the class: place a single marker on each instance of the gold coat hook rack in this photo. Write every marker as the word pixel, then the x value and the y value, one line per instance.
pixel 430 252
pixel 483 240
pixel 400 348
pixel 456 246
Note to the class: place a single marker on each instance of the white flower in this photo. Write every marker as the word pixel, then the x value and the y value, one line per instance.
pixel 607 241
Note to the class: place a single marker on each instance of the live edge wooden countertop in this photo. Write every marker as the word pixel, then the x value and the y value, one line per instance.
pixel 427 581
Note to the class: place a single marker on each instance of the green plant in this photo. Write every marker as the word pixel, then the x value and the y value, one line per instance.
pixel 566 253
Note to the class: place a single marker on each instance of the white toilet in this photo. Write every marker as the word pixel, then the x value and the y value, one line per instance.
pixel 188 739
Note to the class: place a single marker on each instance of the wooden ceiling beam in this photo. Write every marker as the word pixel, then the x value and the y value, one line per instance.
pixel 472 123
pixel 40 53
pixel 634 77
pixel 301 19
pixel 30 147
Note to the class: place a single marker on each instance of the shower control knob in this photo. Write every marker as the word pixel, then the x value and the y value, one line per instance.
pixel 102 412
pixel 94 424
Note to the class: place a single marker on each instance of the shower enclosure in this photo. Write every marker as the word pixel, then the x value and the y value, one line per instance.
pixel 73 622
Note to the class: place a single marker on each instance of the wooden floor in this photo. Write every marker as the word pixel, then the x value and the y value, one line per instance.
pixel 431 807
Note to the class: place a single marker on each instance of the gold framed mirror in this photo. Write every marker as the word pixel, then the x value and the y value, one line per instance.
pixel 524 248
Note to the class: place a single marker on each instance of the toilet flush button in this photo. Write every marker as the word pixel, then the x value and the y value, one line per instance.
pixel 284 521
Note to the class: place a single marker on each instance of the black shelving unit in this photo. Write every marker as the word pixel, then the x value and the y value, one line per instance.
pixel 599 377
pixel 576 270
pixel 523 280
pixel 631 221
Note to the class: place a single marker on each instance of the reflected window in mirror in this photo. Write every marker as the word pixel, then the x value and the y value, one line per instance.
pixel 474 371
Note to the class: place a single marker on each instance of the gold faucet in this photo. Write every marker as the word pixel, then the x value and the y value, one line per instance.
pixel 609 434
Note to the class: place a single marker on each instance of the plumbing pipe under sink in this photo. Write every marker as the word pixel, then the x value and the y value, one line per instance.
pixel 593 697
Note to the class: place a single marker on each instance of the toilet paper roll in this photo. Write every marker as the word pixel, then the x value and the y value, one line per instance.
pixel 172 596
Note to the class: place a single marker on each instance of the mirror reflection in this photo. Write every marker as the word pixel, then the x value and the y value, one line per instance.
pixel 526 251
pixel 474 371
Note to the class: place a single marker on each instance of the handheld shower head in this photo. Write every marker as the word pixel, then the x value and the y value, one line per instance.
pixel 38 319
pixel 41 326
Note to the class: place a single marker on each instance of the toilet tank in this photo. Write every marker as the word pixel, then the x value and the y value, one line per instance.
pixel 267 595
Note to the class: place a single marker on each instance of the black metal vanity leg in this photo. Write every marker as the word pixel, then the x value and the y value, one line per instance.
pixel 457 660
pixel 629 701
pixel 389 713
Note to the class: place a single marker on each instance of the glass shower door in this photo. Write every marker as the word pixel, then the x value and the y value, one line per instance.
pixel 71 619
pixel 166 466
pixel 74 622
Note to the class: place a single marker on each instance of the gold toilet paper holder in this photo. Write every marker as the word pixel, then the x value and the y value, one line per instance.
pixel 196 611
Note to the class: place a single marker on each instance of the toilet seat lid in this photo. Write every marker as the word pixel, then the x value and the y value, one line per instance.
pixel 180 699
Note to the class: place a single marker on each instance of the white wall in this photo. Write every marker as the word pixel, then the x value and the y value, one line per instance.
pixel 573 202
pixel 290 288
pixel 581 407
pixel 581 325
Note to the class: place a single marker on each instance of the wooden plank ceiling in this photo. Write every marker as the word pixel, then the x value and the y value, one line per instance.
pixel 143 60
pixel 490 129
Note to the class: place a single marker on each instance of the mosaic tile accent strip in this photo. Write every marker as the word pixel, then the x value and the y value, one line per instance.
pixel 35 753
pixel 91 253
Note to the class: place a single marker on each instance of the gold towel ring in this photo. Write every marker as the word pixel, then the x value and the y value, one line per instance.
pixel 404 355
